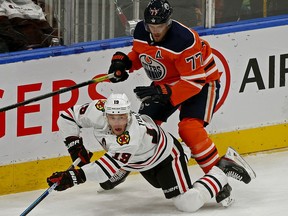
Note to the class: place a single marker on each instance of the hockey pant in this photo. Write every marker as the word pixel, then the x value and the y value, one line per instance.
pixel 172 173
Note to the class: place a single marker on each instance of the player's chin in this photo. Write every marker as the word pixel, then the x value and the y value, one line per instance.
pixel 118 131
pixel 157 39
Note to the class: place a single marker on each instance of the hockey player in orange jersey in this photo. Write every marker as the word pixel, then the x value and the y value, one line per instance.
pixel 184 76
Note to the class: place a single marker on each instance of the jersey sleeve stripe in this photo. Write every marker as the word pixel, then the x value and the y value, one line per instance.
pixel 107 166
pixel 103 169
pixel 69 119
pixel 112 161
pixel 159 152
pixel 212 70
pixel 194 77
pixel 206 61
pixel 211 64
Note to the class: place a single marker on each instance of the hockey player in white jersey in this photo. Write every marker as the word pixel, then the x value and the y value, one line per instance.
pixel 134 142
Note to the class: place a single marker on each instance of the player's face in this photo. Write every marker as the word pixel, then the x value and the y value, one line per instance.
pixel 158 31
pixel 117 122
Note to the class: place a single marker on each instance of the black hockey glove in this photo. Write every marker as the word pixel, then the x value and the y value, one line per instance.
pixel 159 93
pixel 119 64
pixel 66 179
pixel 76 150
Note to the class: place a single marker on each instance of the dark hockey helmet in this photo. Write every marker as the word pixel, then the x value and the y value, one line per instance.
pixel 158 12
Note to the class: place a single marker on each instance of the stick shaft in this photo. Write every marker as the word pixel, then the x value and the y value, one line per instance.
pixel 60 91
pixel 46 192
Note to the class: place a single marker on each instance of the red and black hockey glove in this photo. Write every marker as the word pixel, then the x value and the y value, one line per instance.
pixel 76 150
pixel 66 179
pixel 119 64
pixel 159 93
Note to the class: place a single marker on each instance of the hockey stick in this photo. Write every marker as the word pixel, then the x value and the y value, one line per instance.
pixel 60 91
pixel 128 25
pixel 47 192
pixel 121 15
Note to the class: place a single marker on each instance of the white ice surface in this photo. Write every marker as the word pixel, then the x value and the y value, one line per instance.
pixel 266 195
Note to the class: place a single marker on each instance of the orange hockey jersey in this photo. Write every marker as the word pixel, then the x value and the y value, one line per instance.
pixel 182 60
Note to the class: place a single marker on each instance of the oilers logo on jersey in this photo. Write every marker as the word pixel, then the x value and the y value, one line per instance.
pixel 154 69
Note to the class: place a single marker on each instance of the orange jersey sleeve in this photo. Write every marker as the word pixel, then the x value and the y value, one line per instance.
pixel 182 60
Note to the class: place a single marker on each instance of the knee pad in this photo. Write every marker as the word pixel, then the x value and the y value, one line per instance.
pixel 189 201
pixel 203 150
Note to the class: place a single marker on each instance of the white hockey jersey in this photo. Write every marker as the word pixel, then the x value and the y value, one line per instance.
pixel 141 147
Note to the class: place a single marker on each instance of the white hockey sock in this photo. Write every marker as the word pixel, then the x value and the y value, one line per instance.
pixel 211 183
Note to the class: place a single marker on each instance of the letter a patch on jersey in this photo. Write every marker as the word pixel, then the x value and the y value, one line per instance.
pixel 158 55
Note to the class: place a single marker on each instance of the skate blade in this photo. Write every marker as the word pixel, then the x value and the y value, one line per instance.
pixel 227 202
pixel 234 155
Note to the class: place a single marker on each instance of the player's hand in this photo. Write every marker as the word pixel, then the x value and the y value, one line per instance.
pixel 119 64
pixel 66 179
pixel 76 150
pixel 160 93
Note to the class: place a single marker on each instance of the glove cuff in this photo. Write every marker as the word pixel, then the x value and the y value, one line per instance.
pixel 73 142
pixel 123 58
pixel 165 90
pixel 78 176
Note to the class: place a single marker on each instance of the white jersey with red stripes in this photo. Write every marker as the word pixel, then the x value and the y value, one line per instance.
pixel 141 147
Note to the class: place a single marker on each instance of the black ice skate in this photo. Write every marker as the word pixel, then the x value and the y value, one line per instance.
pixel 233 165
pixel 224 196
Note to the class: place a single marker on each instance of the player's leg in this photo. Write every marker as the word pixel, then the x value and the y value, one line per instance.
pixel 203 150
pixel 203 190
pixel 172 173
pixel 173 177
pixel 195 114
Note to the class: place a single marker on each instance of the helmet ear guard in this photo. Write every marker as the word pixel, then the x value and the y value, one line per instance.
pixel 158 12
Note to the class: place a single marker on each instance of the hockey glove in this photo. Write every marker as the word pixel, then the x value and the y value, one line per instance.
pixel 76 150
pixel 66 179
pixel 159 93
pixel 119 64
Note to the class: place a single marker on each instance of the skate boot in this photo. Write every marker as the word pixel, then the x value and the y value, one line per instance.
pixel 224 196
pixel 233 165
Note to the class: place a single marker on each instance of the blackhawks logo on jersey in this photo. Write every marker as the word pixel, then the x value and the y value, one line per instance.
pixel 124 138
pixel 100 105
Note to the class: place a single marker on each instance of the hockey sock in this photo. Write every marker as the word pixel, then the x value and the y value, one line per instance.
pixel 203 150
